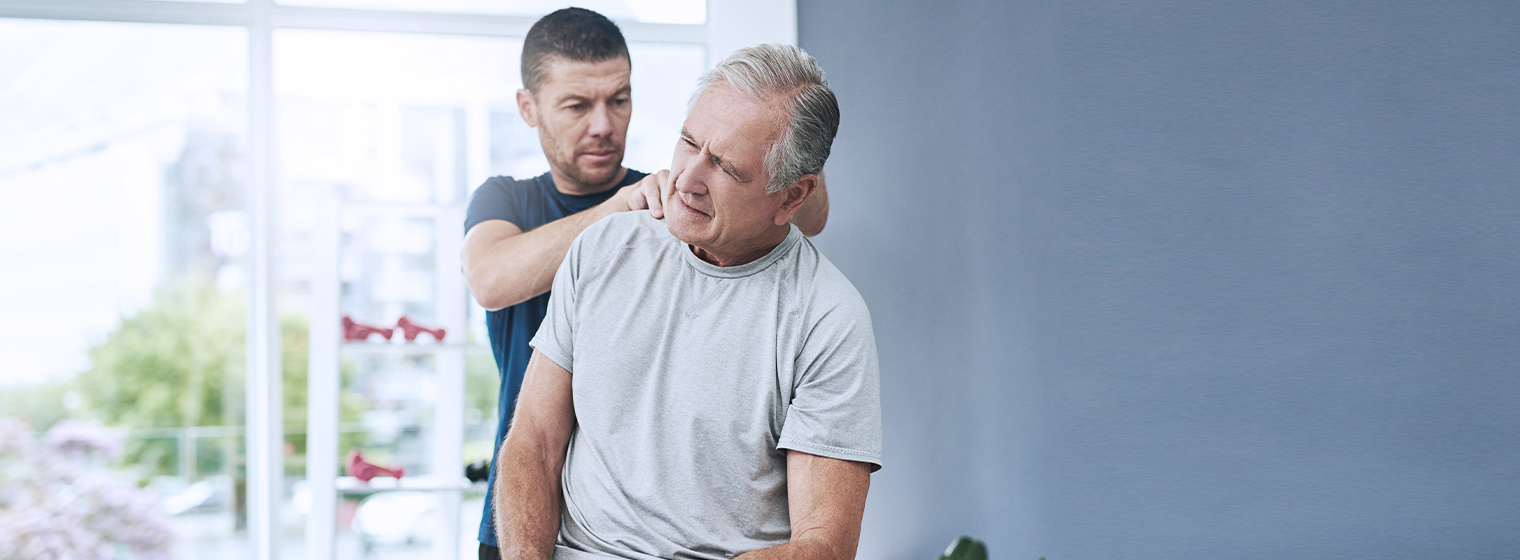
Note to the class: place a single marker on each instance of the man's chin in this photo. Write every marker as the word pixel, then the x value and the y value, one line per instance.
pixel 681 228
pixel 599 174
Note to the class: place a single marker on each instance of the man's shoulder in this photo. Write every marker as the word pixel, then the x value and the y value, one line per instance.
pixel 504 198
pixel 502 191
pixel 540 185
pixel 826 288
pixel 631 177
pixel 510 184
pixel 619 231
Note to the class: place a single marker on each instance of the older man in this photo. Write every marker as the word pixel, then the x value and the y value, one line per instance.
pixel 577 93
pixel 704 387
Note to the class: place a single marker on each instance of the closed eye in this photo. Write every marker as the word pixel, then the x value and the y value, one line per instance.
pixel 691 144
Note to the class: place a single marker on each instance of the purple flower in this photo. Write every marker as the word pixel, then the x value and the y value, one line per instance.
pixel 58 501
pixel 83 439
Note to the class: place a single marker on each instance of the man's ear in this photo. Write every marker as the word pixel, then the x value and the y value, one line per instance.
pixel 526 106
pixel 796 194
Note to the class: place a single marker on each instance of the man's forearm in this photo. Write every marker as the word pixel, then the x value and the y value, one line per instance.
pixel 825 499
pixel 506 271
pixel 527 498
pixel 527 504
pixel 798 549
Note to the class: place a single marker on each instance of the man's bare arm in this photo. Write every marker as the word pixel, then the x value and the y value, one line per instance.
pixel 527 504
pixel 814 213
pixel 827 499
pixel 505 266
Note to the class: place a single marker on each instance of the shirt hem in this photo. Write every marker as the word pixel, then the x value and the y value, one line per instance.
pixel 554 356
pixel 562 552
pixel 874 459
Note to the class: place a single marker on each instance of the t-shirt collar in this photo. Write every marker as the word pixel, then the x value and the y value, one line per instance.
pixel 793 235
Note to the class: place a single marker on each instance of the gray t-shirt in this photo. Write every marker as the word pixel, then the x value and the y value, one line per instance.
pixel 689 382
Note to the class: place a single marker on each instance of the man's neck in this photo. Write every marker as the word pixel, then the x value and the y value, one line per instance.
pixel 743 255
pixel 564 184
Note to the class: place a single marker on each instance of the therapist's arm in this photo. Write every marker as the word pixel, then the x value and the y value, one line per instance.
pixel 827 499
pixel 528 479
pixel 814 213
pixel 505 266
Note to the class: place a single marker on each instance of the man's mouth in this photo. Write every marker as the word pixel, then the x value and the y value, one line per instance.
pixel 600 155
pixel 682 201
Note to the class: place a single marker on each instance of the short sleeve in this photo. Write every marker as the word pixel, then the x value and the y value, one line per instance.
pixel 556 336
pixel 496 199
pixel 836 405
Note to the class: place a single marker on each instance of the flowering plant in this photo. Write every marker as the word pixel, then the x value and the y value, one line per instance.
pixel 60 501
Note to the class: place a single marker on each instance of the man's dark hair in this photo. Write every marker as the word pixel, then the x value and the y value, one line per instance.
pixel 574 34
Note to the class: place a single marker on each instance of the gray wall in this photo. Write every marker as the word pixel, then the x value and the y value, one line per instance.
pixel 1165 279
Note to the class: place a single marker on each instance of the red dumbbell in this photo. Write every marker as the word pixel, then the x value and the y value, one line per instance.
pixel 365 470
pixel 356 331
pixel 410 330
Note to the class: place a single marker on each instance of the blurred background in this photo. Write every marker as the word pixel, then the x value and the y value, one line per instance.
pixel 1151 279
pixel 128 149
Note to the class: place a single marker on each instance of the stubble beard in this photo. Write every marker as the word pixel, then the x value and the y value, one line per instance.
pixel 586 178
pixel 591 178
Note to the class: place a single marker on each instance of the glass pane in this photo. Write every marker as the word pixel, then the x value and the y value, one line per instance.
pixel 393 130
pixel 123 233
pixel 663 78
pixel 397 130
pixel 651 11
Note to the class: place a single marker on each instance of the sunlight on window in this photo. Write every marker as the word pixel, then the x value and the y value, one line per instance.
pixel 398 130
pixel 116 142
pixel 122 229
pixel 648 11
pixel 124 235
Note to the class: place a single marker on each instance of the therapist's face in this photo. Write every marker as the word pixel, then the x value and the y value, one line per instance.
pixel 581 111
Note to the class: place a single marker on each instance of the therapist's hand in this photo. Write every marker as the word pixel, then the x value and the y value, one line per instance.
pixel 649 192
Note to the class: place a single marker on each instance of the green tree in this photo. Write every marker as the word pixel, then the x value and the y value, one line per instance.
pixel 179 362
pixel 167 365
pixel 40 405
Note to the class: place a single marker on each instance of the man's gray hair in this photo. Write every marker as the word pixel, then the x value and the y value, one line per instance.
pixel 766 72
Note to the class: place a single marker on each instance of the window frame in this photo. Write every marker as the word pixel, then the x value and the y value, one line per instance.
pixel 730 24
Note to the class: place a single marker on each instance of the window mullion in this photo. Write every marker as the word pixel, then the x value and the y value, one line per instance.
pixel 265 422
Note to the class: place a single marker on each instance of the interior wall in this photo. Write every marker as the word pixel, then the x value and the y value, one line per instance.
pixel 1166 279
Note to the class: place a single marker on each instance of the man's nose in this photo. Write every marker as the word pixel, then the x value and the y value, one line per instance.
pixel 601 121
pixel 691 179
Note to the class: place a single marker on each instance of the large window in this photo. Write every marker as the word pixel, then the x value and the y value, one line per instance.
pixel 396 130
pixel 123 232
pixel 193 193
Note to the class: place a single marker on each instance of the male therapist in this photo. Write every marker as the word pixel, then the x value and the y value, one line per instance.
pixel 703 387
pixel 576 92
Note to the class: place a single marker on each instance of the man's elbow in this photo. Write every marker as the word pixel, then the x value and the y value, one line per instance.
pixel 489 304
pixel 488 297
pixel 827 545
pixel 494 300
pixel 491 292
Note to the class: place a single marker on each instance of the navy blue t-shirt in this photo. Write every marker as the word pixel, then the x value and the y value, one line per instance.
pixel 527 204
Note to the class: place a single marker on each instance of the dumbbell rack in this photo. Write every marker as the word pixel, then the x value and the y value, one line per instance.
pixel 327 349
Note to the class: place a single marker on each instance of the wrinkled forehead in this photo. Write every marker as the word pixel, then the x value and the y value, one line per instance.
pixel 586 78
pixel 739 113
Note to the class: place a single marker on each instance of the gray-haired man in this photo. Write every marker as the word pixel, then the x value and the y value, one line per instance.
pixel 705 387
